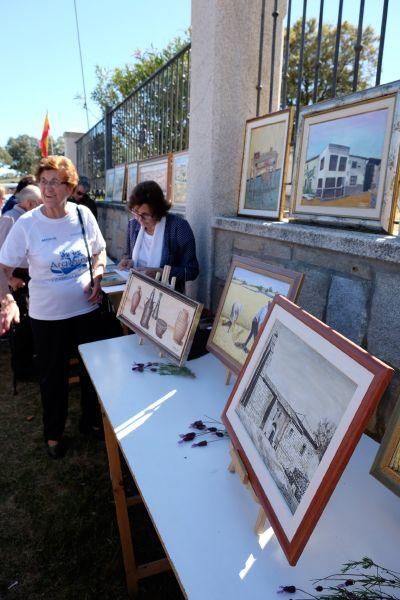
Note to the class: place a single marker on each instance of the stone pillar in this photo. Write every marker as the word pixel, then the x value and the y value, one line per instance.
pixel 70 137
pixel 224 76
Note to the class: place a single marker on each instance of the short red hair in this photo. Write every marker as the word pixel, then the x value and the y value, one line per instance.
pixel 63 165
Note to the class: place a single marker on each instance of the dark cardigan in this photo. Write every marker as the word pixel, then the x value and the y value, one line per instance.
pixel 179 248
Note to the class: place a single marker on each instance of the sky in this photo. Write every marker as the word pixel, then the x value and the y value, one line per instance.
pixel 364 134
pixel 40 64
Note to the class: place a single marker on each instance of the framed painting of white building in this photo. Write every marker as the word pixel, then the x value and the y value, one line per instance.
pixel 346 168
pixel 295 415
pixel 264 168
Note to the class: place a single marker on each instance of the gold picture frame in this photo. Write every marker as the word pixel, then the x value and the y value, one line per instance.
pixel 264 167
pixel 346 169
pixel 386 466
pixel 250 286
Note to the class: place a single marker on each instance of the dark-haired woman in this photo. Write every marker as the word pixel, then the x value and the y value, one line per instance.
pixel 156 238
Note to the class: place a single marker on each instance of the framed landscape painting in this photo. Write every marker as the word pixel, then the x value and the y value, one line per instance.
pixel 347 160
pixel 248 292
pixel 265 158
pixel 112 278
pixel 109 185
pixel 386 467
pixel 295 415
pixel 179 171
pixel 162 315
pixel 119 183
pixel 131 178
pixel 157 170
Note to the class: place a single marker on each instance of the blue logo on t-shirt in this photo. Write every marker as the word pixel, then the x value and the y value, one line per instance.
pixel 70 261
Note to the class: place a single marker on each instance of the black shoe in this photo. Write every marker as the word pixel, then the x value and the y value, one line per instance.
pixel 57 451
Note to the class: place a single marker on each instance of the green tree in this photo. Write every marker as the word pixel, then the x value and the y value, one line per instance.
pixel 345 71
pixel 25 153
pixel 113 85
pixel 56 146
pixel 5 158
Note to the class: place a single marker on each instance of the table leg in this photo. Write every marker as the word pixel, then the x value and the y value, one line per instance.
pixel 121 507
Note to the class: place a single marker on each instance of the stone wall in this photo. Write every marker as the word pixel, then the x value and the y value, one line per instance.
pixel 352 282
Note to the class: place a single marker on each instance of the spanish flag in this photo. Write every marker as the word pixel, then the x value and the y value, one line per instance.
pixel 44 140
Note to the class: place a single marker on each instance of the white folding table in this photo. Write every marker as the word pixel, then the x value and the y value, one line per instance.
pixel 202 513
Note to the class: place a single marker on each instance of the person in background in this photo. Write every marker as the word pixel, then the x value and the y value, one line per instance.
pixel 81 196
pixel 27 180
pixel 156 238
pixel 20 337
pixel 63 297
pixel 3 192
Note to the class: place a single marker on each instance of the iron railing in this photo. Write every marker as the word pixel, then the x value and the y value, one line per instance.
pixel 326 55
pixel 90 157
pixel 152 121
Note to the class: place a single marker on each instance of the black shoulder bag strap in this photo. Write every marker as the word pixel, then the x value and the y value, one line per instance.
pixel 86 246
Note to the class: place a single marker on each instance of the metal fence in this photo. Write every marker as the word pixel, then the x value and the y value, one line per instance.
pixel 152 121
pixel 328 51
pixel 90 156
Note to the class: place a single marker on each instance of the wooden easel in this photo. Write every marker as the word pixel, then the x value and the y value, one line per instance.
pixel 236 466
pixel 228 377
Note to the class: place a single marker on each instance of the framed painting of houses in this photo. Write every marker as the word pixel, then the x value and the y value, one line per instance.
pixel 158 170
pixel 119 183
pixel 346 168
pixel 248 292
pixel 295 415
pixel 386 467
pixel 109 185
pixel 179 171
pixel 265 159
pixel 159 313
pixel 131 178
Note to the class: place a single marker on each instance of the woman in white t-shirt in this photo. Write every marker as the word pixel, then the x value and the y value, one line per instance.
pixel 63 303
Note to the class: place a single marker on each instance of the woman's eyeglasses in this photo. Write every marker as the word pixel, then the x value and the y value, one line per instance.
pixel 54 183
pixel 144 215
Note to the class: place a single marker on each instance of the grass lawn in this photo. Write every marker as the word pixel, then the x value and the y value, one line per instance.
pixel 58 530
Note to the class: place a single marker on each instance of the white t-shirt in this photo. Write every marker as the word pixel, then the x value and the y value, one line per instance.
pixel 145 251
pixel 57 259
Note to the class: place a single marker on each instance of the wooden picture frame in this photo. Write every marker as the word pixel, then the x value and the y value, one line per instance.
pixel 179 172
pixel 110 174
pixel 346 169
pixel 159 313
pixel 131 178
pixel 249 285
pixel 264 166
pixel 386 466
pixel 295 415
pixel 111 278
pixel 119 183
pixel 158 170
